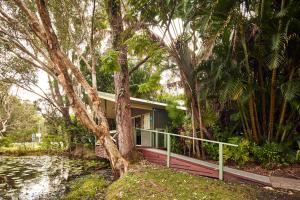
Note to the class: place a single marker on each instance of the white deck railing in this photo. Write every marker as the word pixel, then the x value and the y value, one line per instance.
pixel 221 163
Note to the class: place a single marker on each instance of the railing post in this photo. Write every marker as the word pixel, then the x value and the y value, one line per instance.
pixel 134 136
pixel 168 149
pixel 156 140
pixel 220 161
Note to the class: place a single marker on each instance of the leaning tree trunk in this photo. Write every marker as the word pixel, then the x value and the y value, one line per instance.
pixel 100 129
pixel 62 65
pixel 121 79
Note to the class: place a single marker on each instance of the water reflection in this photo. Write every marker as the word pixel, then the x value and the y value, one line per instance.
pixel 36 177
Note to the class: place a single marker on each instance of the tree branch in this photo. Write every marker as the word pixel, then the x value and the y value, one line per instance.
pixel 136 67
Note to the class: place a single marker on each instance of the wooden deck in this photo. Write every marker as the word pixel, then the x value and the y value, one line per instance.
pixel 198 167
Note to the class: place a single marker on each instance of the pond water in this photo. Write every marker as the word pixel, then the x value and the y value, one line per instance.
pixel 37 177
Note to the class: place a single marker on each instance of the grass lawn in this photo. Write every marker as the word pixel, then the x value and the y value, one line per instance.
pixel 92 186
pixel 154 182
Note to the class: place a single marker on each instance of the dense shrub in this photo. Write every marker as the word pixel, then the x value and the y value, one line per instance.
pixel 52 142
pixel 241 154
pixel 5 142
pixel 270 154
pixel 212 150
pixel 176 146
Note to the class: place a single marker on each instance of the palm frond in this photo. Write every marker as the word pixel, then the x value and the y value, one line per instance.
pixel 276 59
pixel 290 90
pixel 279 41
pixel 234 90
pixel 282 13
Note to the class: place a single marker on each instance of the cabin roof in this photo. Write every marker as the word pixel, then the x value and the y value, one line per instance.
pixel 155 104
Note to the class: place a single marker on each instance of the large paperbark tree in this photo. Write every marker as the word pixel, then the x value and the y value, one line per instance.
pixel 37 30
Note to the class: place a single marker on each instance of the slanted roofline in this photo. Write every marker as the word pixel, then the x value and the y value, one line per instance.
pixel 111 97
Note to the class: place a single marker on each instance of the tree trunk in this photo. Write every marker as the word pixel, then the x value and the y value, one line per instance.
pixel 244 120
pixel 3 128
pixel 253 119
pixel 192 99
pixel 58 99
pixel 251 102
pixel 272 104
pixel 283 109
pixel 179 51
pixel 200 120
pixel 121 80
pixel 7 112
pixel 274 84
pixel 263 99
pixel 92 49
pixel 101 130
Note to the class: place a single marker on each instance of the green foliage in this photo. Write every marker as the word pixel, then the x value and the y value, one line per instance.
pixel 144 84
pixel 177 116
pixel 221 133
pixel 291 90
pixel 81 135
pixel 270 154
pixel 233 89
pixel 212 150
pixel 101 24
pixel 22 121
pixel 139 45
pixel 110 61
pixel 20 136
pixel 152 84
pixel 176 146
pixel 209 116
pixel 105 81
pixel 5 141
pixel 70 135
pixel 241 154
pixel 53 142
pixel 22 149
